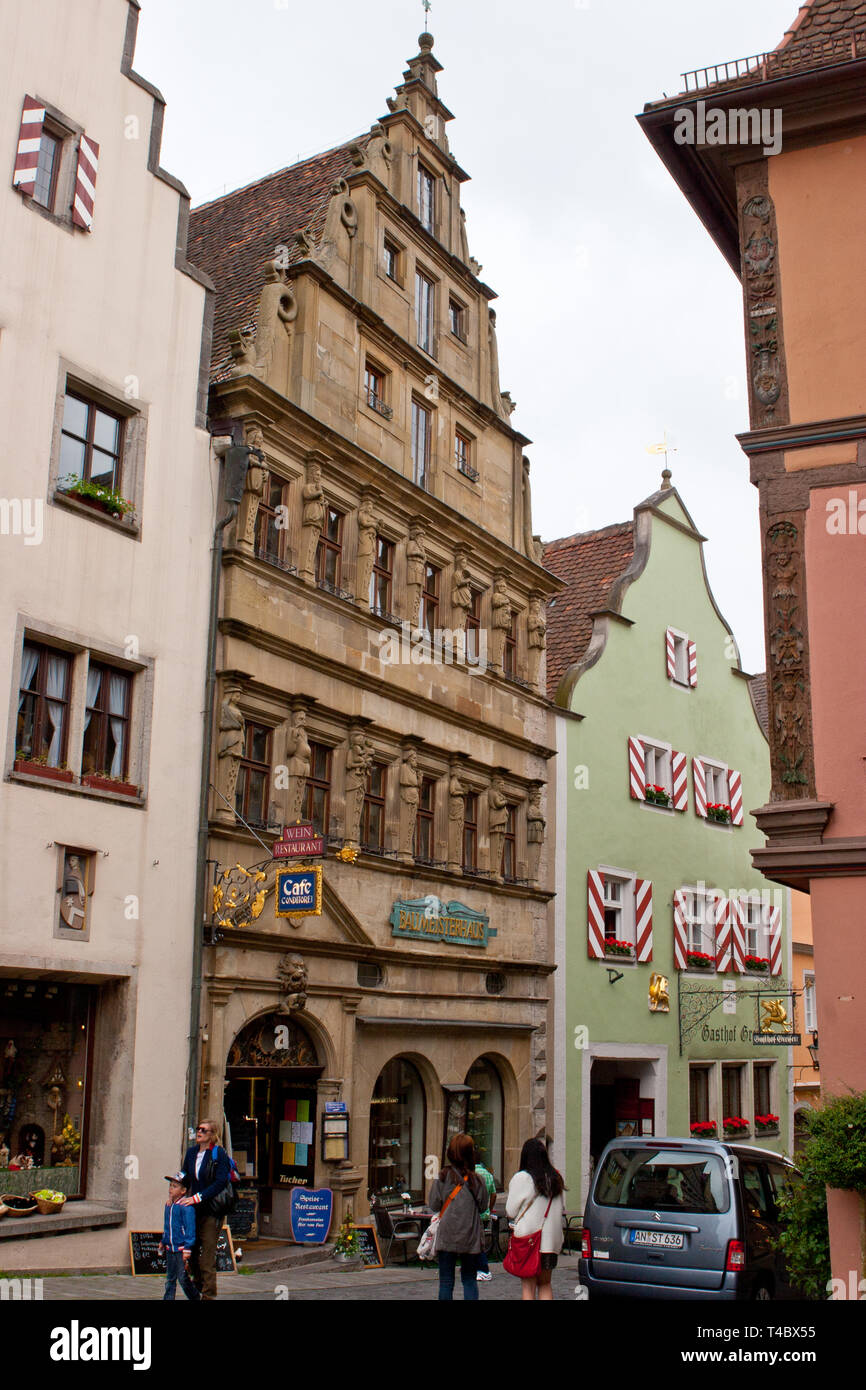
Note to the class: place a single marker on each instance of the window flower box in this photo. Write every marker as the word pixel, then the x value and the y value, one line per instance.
pixel 656 796
pixel 97 782
pixel 100 499
pixel 759 964
pixel 703 1129
pixel 718 812
pixel 767 1124
pixel 735 1126
pixel 699 960
pixel 33 767
pixel 618 948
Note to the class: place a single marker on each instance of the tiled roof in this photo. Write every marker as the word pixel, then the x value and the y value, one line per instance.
pixel 825 19
pixel 232 238
pixel 759 697
pixel 589 564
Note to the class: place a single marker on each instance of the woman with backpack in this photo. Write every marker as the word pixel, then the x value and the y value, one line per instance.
pixel 534 1207
pixel 207 1169
pixel 460 1197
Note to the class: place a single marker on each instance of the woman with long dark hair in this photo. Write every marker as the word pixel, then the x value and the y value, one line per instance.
pixel 460 1195
pixel 534 1203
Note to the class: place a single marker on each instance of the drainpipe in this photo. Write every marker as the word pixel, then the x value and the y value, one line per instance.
pixel 236 461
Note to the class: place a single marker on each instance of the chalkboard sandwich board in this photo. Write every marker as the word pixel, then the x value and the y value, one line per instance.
pixel 144 1256
pixel 371 1255
pixel 244 1220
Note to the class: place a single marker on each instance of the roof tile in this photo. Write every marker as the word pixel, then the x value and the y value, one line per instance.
pixel 589 564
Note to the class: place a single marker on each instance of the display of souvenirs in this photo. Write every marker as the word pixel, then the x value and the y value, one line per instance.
pixel 67 1146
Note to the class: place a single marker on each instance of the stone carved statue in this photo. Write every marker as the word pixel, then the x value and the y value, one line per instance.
pixel 367 535
pixel 359 759
pixel 500 619
pixel 497 822
pixel 537 626
pixel 461 594
pixel 528 539
pixel 535 827
pixel 409 781
pixel 493 353
pixel 292 975
pixel 463 238
pixel 456 821
pixel 278 310
pixel 230 750
pixel 416 561
pixel 254 491
pixel 300 759
pixel 312 520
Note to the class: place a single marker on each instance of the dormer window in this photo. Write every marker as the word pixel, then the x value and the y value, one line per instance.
pixel 426 197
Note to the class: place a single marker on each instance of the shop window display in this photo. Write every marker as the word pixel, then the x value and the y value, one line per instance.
pixel 397 1125
pixel 45 1031
pixel 484 1115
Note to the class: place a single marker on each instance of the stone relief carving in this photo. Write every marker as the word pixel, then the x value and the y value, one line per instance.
pixel 537 630
pixel 254 489
pixel 312 518
pixel 299 762
pixel 788 676
pixel 461 593
pixel 367 533
pixel 359 759
pixel 456 821
pixel 242 344
pixel 759 241
pixel 409 782
pixel 278 310
pixel 497 821
pixel 416 561
pixel 376 155
pixel 292 975
pixel 535 827
pixel 500 618
pixel 230 750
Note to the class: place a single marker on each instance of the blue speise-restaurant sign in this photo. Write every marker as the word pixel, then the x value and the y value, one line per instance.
pixel 430 919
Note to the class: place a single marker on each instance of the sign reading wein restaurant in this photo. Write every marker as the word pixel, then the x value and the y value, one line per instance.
pixel 429 919
pixel 298 842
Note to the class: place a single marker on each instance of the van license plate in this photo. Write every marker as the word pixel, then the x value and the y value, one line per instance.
pixel 669 1239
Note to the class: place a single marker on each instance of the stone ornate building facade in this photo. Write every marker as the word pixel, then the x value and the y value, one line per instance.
pixel 381 674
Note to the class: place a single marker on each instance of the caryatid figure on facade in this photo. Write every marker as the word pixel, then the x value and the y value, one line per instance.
pixel 408 802
pixel 456 821
pixel 416 566
pixel 497 823
pixel 500 618
pixel 359 758
pixel 367 536
pixel 300 760
pixel 230 750
pixel 312 520
pixel 535 827
pixel 461 594
pixel 254 490
pixel 537 628
pixel 528 538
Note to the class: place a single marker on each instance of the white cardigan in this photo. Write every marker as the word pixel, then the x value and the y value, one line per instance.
pixel 524 1199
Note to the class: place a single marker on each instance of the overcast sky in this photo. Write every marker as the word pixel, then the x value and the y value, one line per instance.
pixel 618 318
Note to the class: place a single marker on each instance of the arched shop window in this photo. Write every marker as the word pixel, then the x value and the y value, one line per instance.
pixel 484 1118
pixel 398 1115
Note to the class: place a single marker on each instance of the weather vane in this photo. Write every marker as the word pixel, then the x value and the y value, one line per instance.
pixel 428 4
pixel 663 448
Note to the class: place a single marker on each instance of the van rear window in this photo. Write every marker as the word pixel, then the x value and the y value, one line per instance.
pixel 663 1180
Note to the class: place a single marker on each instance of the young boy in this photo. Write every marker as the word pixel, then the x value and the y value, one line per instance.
pixel 490 1183
pixel 178 1239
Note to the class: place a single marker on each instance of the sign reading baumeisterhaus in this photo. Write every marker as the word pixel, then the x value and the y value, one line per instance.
pixel 431 919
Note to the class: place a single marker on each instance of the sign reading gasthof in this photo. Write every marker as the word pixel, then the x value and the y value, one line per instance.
pixel 776 1039
pixel 430 919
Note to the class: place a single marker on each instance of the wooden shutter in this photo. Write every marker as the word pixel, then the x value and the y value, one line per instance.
pixel 594 915
pixel 85 183
pixel 643 919
pixel 636 770
pixel 671 653
pixel 29 140
pixel 680 781
pixel 735 797
pixel 774 921
pixel 722 916
pixel 693 664
pixel 738 935
pixel 680 930
pixel 699 782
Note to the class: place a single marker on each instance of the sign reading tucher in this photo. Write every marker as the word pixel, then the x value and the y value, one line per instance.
pixel 432 920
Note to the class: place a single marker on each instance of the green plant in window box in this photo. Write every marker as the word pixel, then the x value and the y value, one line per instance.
pixel 103 498
pixel 718 812
pixel 760 964
pixel 767 1123
pixel 656 796
pixel 618 948
pixel 699 960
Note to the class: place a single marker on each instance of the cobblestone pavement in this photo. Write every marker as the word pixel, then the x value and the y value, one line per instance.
pixel 309 1283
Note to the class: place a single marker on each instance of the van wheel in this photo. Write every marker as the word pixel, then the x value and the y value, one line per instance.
pixel 761 1293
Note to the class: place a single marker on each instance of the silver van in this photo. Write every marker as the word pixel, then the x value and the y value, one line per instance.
pixel 684 1218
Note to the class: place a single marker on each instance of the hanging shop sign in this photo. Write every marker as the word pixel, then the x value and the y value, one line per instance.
pixel 777 1039
pixel 773 1016
pixel 299 841
pixel 430 919
pixel 299 892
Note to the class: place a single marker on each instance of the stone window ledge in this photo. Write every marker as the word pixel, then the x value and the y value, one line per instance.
pixel 75 1216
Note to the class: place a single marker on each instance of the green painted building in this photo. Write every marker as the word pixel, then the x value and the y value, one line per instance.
pixel 672 951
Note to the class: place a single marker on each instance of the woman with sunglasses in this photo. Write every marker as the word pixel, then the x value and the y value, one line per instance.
pixel 207 1170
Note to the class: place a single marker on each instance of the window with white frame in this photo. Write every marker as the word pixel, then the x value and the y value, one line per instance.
pixel 810 1009
pixel 657 766
pixel 618 902
pixel 700 918
pixel 681 659
pixel 716 775
pixel 754 925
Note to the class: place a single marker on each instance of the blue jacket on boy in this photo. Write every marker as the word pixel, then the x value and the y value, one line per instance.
pixel 178 1232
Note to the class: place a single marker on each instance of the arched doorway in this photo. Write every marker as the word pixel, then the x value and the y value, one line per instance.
pixel 398 1123
pixel 485 1114
pixel 270 1109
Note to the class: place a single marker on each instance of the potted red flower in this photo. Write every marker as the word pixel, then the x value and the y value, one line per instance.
pixel 718 811
pixel 703 1129
pixel 757 963
pixel 735 1125
pixel 655 795
pixel 618 948
pixel 699 960
pixel 767 1124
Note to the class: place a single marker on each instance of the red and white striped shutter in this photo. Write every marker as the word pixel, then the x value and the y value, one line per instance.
pixel 643 920
pixel 735 797
pixel 693 664
pixel 680 781
pixel 670 651
pixel 636 770
pixel 594 915
pixel 722 916
pixel 699 781
pixel 681 939
pixel 85 183
pixel 774 921
pixel 29 140
pixel 738 935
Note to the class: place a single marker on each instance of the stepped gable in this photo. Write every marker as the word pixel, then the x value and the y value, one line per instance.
pixel 589 564
pixel 232 237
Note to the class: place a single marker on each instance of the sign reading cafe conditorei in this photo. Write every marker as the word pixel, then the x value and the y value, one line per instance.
pixel 431 919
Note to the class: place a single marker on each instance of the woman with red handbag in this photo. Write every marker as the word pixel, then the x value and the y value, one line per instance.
pixel 534 1207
